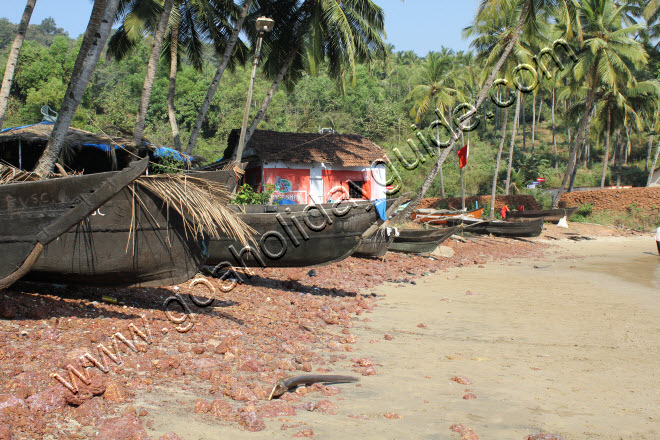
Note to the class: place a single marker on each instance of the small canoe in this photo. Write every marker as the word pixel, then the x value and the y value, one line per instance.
pixel 420 241
pixel 527 228
pixel 35 214
pixel 375 246
pixel 439 216
pixel 131 240
pixel 296 235
pixel 549 215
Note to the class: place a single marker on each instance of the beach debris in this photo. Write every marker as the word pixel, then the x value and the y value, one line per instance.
pixel 388 337
pixel 457 357
pixel 462 380
pixel 543 436
pixel 421 325
pixel 284 385
pixel 312 273
pixel 308 433
pixel 392 416
pixel 469 396
pixel 108 299
pixel 469 292
pixel 465 432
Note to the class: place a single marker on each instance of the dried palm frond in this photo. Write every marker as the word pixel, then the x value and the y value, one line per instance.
pixel 10 174
pixel 201 203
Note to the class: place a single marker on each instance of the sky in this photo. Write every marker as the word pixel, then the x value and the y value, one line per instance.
pixel 418 25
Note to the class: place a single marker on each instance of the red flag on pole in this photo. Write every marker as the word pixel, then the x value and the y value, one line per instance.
pixel 463 154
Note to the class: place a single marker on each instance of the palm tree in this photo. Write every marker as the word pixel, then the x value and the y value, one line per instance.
pixel 529 10
pixel 224 62
pixel 191 23
pixel 437 88
pixel 149 78
pixel 497 163
pixel 343 33
pixel 604 58
pixel 12 60
pixel 98 29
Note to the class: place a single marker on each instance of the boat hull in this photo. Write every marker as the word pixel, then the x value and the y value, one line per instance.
pixel 375 246
pixel 440 218
pixel 420 241
pixel 527 228
pixel 549 215
pixel 104 250
pixel 296 235
pixel 33 214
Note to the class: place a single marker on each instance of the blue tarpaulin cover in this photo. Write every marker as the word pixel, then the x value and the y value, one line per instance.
pixel 381 208
pixel 285 202
pixel 168 152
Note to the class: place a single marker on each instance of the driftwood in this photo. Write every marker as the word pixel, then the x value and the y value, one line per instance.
pixel 284 385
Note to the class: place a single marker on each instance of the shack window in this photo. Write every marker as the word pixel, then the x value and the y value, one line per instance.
pixel 355 189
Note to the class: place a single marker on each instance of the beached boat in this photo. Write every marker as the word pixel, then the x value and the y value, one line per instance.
pixel 296 235
pixel 548 215
pixel 420 241
pixel 528 228
pixel 35 214
pixel 376 245
pixel 133 239
pixel 439 216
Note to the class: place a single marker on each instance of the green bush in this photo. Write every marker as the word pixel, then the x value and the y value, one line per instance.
pixel 585 210
pixel 247 196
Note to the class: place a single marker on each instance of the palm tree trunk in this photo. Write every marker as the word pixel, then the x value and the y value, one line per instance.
pixel 12 60
pixel 607 145
pixel 218 76
pixel 584 149
pixel 655 163
pixel 649 149
pixel 554 137
pixel 538 118
pixel 497 166
pixel 269 95
pixel 513 142
pixel 533 121
pixel 149 78
pixel 524 123
pixel 619 165
pixel 98 30
pixel 483 93
pixel 174 48
pixel 579 137
pixel 442 177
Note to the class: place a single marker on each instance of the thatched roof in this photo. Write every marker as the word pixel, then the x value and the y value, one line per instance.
pixel 39 133
pixel 334 148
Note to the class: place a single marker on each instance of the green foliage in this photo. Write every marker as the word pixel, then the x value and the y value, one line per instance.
pixel 247 196
pixel 164 165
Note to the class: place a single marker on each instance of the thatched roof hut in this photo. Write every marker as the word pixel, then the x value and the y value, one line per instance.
pixel 83 151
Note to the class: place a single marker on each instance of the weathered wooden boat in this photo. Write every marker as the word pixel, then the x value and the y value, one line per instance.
pixel 439 216
pixel 549 215
pixel 296 235
pixel 528 228
pixel 133 239
pixel 376 245
pixel 34 214
pixel 420 241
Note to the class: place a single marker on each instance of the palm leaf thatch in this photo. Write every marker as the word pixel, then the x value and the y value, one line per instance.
pixel 201 203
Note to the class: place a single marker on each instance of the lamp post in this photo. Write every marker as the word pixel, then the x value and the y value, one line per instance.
pixel 263 25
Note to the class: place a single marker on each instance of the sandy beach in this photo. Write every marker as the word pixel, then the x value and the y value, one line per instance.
pixel 560 339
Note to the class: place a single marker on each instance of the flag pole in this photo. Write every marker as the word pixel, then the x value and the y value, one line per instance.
pixel 460 168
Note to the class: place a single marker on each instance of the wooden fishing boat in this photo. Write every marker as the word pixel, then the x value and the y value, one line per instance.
pixel 296 235
pixel 439 216
pixel 420 241
pixel 549 215
pixel 133 239
pixel 34 214
pixel 528 228
pixel 376 245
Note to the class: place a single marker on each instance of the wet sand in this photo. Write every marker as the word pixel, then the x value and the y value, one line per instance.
pixel 566 343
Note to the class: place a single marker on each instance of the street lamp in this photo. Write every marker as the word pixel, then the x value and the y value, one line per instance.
pixel 263 25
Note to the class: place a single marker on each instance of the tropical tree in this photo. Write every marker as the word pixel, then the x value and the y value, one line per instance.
pixel 224 63
pixel 13 59
pixel 98 29
pixel 341 33
pixel 607 55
